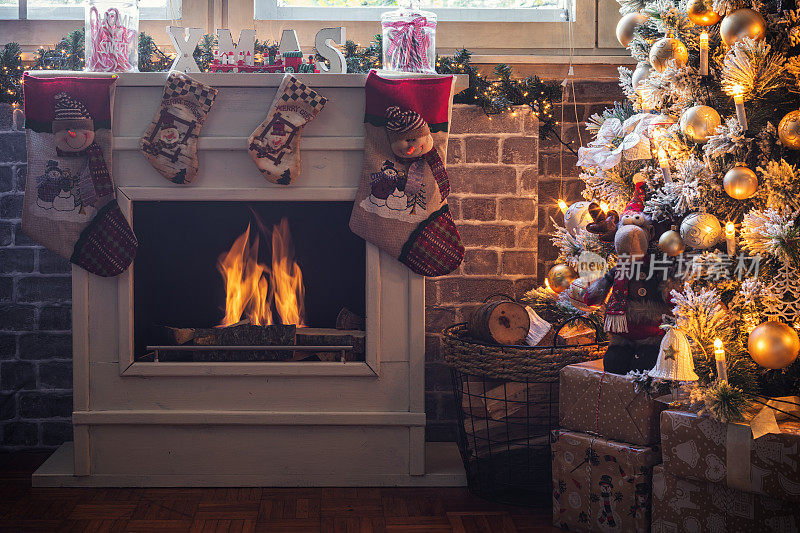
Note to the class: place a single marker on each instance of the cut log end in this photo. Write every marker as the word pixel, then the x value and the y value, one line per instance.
pixel 502 322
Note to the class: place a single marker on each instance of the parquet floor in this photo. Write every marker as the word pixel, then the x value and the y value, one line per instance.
pixel 234 510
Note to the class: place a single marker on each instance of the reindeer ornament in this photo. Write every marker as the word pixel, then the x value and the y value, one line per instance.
pixel 639 297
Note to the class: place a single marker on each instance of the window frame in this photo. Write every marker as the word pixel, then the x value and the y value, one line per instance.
pixel 173 10
pixel 269 10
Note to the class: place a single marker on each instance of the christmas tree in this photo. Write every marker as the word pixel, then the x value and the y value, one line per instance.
pixel 711 130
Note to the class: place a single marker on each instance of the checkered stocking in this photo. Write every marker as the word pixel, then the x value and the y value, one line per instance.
pixel 170 142
pixel 274 145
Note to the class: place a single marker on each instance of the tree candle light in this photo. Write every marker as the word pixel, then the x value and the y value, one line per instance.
pixel 730 238
pixel 704 54
pixel 663 162
pixel 719 357
pixel 738 99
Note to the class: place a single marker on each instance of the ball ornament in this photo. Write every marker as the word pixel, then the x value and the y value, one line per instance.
pixel 740 182
pixel 666 50
pixel 789 130
pixel 626 26
pixel 773 345
pixel 699 122
pixel 742 23
pixel 701 12
pixel 560 277
pixel 671 243
pixel 701 230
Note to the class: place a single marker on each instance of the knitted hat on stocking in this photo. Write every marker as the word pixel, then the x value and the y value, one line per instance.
pixel 71 114
pixel 405 124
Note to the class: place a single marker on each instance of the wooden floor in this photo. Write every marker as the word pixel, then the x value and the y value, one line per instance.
pixel 357 510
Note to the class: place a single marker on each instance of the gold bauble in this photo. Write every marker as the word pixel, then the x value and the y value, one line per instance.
pixel 701 230
pixel 560 277
pixel 699 122
pixel 626 25
pixel 773 345
pixel 671 243
pixel 742 23
pixel 740 182
pixel 789 130
pixel 643 70
pixel 702 13
pixel 666 50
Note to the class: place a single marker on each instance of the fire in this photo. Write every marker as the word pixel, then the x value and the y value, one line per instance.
pixel 253 289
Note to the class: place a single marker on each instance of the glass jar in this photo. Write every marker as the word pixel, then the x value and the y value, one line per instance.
pixel 112 35
pixel 409 40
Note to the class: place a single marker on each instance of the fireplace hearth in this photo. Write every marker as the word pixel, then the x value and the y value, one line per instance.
pixel 333 395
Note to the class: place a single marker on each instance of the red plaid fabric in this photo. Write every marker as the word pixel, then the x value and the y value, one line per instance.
pixel 107 245
pixel 103 186
pixel 435 248
pixel 439 172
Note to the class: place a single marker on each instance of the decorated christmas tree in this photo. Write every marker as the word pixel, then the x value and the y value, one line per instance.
pixel 709 141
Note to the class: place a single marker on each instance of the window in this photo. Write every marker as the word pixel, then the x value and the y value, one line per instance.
pixel 74 9
pixel 446 10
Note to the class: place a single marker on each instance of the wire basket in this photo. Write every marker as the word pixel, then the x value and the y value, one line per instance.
pixel 507 404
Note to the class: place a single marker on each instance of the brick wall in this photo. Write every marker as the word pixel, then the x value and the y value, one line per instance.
pixel 505 184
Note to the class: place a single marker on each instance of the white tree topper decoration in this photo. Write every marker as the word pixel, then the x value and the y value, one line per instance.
pixel 784 300
pixel 185 41
pixel 229 53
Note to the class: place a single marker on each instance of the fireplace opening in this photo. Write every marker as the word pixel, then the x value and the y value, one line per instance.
pixel 235 281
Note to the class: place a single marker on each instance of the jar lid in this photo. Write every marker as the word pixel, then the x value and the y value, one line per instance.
pixel 408 12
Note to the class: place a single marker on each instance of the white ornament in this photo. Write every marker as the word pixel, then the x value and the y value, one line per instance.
pixel 230 53
pixel 184 40
pixel 323 42
pixel 785 291
pixel 577 217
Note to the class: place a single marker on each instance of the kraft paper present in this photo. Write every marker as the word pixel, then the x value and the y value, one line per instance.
pixel 700 507
pixel 703 449
pixel 607 404
pixel 600 484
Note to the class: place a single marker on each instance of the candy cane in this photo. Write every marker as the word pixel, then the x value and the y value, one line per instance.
pixel 110 42
pixel 408 43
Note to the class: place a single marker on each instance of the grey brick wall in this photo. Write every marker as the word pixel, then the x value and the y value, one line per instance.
pixel 35 320
pixel 505 187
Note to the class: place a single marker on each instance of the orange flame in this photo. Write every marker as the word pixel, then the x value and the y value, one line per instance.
pixel 252 289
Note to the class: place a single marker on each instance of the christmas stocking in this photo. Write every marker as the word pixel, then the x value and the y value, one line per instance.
pixel 170 142
pixel 401 203
pixel 274 145
pixel 70 205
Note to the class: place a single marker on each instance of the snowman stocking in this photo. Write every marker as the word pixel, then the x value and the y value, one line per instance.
pixel 70 205
pixel 401 203
pixel 274 145
pixel 170 142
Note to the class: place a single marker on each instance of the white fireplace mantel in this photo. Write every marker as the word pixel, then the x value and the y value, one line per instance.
pixel 248 424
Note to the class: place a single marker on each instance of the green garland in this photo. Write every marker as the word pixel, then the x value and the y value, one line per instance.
pixel 497 95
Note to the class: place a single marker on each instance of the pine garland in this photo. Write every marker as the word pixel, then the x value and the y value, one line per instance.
pixel 497 95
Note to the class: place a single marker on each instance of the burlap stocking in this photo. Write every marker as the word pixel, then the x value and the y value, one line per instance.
pixel 401 203
pixel 274 145
pixel 170 142
pixel 70 205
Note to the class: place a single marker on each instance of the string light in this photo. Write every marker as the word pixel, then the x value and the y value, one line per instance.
pixel 562 205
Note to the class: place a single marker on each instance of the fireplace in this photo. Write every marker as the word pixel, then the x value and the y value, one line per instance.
pixel 227 271
pixel 217 413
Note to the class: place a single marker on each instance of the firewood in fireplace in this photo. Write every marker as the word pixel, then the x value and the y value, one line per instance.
pixel 346 319
pixel 236 335
pixel 330 337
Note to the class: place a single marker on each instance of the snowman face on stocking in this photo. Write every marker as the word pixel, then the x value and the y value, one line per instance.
pixel 413 146
pixel 274 142
pixel 74 140
pixel 169 135
pixel 409 135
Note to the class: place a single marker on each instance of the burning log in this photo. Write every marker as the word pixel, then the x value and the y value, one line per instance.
pixel 331 337
pixel 242 334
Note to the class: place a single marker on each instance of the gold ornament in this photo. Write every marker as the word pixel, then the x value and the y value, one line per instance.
pixel 699 123
pixel 789 130
pixel 742 23
pixel 740 182
pixel 641 73
pixel 773 345
pixel 668 49
pixel 560 277
pixel 701 230
pixel 702 13
pixel 671 243
pixel 626 25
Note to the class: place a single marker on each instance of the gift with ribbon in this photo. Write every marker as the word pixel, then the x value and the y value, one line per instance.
pixel 703 449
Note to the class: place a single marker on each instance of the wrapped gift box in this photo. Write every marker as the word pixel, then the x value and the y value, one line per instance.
pixel 704 449
pixel 698 506
pixel 591 400
pixel 600 484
